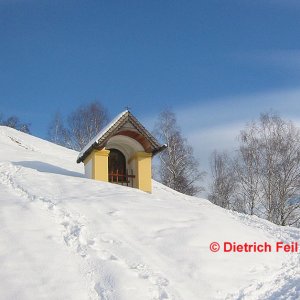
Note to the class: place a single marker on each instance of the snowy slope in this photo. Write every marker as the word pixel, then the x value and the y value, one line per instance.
pixel 66 237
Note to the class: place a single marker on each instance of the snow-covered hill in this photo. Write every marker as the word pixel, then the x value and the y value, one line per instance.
pixel 66 237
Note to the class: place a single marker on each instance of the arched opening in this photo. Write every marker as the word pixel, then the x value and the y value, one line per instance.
pixel 127 147
pixel 117 170
pixel 116 166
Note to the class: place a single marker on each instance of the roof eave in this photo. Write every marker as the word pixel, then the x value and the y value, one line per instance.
pixel 157 150
pixel 87 153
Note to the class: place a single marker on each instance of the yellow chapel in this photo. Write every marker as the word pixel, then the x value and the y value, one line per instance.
pixel 121 153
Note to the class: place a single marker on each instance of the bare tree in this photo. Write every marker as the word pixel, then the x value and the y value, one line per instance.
pixel 222 190
pixel 282 153
pixel 247 168
pixel 81 126
pixel 270 169
pixel 264 176
pixel 85 122
pixel 178 168
pixel 58 133
pixel 14 122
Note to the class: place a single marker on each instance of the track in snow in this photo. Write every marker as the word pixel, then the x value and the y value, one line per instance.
pixel 76 236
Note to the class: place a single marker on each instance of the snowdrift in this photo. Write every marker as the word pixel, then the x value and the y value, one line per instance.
pixel 66 237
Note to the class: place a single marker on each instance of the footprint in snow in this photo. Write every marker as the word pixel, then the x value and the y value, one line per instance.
pixel 114 213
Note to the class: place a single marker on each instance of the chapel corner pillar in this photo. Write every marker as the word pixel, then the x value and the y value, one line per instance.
pixel 144 171
pixel 100 165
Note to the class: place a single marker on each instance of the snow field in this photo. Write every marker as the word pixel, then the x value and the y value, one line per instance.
pixel 67 237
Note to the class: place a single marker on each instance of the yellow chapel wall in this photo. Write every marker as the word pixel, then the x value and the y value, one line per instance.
pixel 99 161
pixel 144 171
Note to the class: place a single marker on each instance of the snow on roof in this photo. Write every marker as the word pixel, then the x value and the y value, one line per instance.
pixel 101 133
pixel 99 139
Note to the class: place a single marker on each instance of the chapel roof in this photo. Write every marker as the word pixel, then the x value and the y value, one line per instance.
pixel 123 124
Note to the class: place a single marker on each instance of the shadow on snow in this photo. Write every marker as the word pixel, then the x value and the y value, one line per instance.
pixel 47 168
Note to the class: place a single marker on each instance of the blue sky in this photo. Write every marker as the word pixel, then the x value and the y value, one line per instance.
pixel 218 64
